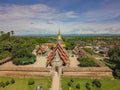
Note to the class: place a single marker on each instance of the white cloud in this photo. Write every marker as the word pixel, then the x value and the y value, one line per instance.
pixel 41 19
pixel 39 11
pixel 91 28
pixel 100 15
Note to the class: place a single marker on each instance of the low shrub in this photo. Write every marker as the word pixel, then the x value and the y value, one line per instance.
pixel 16 61
pixel 96 83
pixel 72 80
pixel 87 85
pixel 69 83
pixel 7 83
pixel 70 88
pixel 31 82
pixel 2 84
pixel 23 61
pixel 78 86
pixel 12 81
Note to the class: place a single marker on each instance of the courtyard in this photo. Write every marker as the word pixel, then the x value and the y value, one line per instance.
pixel 40 62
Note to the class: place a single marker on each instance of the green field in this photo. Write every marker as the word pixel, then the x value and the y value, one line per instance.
pixel 22 84
pixel 107 84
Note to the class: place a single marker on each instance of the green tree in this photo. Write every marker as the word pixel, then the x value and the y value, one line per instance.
pixel 12 32
pixel 87 85
pixel 1 32
pixel 114 54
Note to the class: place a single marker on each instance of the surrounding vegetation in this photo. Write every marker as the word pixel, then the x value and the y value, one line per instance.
pixel 87 62
pixel 114 62
pixel 21 47
pixel 24 83
pixel 88 50
pixel 90 84
pixel 72 41
pixel 6 83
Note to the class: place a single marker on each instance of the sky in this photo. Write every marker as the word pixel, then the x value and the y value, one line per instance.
pixel 28 17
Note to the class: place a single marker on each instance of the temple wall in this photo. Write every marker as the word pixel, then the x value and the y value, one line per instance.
pixel 25 72
pixel 87 72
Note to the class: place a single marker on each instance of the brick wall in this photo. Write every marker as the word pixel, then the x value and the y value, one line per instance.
pixel 25 72
pixel 88 72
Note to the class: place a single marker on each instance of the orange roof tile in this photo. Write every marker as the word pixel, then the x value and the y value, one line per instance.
pixel 62 53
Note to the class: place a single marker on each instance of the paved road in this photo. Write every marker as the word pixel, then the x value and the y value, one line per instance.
pixel 74 62
pixel 55 82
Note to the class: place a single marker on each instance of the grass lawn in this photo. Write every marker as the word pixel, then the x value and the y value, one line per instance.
pixel 111 65
pixel 107 84
pixel 22 83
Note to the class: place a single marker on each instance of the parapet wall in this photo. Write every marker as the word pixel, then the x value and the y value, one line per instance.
pixel 87 72
pixel 26 72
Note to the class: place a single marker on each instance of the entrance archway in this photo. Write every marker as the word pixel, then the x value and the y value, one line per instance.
pixel 56 69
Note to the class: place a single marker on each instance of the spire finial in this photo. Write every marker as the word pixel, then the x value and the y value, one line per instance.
pixel 59 30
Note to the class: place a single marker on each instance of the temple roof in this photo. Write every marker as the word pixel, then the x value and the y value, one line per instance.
pixel 41 49
pixel 62 54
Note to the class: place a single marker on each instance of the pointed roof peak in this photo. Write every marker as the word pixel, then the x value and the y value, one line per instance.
pixel 59 50
pixel 59 30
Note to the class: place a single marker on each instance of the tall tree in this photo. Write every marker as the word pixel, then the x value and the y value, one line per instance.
pixel 114 54
pixel 12 32
pixel 1 32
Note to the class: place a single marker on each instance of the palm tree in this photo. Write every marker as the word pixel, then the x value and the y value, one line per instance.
pixel 1 32
pixel 12 32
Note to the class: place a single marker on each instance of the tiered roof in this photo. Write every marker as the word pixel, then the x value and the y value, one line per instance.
pixel 41 49
pixel 62 53
pixel 78 51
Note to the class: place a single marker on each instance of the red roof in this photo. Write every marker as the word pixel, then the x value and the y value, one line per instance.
pixel 62 53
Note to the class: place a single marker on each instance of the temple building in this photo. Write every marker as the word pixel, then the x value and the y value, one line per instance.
pixel 60 52
pixel 39 50
pixel 58 55
pixel 78 52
